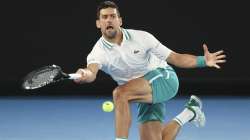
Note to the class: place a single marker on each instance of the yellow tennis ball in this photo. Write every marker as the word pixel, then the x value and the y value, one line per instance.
pixel 107 106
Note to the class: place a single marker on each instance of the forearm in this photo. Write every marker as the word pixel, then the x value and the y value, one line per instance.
pixel 90 76
pixel 186 60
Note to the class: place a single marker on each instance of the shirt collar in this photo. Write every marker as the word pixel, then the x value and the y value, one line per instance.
pixel 125 36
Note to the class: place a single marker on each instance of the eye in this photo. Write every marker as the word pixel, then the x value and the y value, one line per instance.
pixel 104 16
pixel 113 15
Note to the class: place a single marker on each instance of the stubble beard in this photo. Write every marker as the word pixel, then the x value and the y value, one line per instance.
pixel 110 34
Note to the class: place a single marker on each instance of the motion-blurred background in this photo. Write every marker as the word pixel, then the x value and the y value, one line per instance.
pixel 39 33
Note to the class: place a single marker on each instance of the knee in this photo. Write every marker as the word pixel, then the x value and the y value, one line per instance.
pixel 119 94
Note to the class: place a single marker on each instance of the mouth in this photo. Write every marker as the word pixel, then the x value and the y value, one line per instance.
pixel 109 27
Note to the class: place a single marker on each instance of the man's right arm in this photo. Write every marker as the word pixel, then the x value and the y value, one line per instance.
pixel 88 74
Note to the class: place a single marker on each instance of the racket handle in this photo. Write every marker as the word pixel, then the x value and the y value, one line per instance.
pixel 74 76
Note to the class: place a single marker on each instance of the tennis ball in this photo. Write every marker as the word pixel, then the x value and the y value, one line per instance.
pixel 107 106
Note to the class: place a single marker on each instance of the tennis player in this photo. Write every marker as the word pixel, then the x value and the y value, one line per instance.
pixel 138 62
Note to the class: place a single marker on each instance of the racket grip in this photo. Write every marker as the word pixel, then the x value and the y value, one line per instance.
pixel 74 76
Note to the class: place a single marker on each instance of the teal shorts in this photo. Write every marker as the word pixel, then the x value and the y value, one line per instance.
pixel 164 83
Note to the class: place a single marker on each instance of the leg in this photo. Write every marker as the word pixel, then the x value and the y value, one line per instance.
pixel 151 117
pixel 135 90
pixel 151 130
pixel 147 112
pixel 192 113
pixel 170 130
pixel 154 130
pixel 140 90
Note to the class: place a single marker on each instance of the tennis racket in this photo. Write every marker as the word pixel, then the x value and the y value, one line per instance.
pixel 45 76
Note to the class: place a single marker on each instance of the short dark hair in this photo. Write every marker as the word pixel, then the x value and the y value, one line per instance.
pixel 104 5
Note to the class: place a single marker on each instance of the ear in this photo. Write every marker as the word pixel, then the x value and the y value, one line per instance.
pixel 98 23
pixel 120 19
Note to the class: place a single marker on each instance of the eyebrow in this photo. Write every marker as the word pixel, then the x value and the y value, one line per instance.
pixel 107 14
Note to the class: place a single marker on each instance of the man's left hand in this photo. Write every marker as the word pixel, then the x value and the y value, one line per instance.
pixel 213 59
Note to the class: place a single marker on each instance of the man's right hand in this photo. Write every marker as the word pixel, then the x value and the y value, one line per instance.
pixel 84 76
pixel 88 74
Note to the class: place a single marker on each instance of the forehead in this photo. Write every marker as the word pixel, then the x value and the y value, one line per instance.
pixel 108 11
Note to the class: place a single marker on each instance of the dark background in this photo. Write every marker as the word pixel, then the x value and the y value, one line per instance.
pixel 39 33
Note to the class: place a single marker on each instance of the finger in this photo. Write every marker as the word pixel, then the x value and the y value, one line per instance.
pixel 217 66
pixel 220 61
pixel 80 71
pixel 205 48
pixel 77 81
pixel 220 56
pixel 83 72
pixel 218 52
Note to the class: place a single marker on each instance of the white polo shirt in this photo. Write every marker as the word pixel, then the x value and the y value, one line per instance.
pixel 139 53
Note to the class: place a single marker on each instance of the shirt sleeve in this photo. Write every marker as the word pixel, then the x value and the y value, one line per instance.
pixel 156 47
pixel 96 56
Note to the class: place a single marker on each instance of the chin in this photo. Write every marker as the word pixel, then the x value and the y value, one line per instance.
pixel 111 35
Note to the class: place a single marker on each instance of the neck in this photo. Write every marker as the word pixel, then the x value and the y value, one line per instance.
pixel 117 39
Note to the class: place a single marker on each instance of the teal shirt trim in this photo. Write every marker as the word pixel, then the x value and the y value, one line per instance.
pixel 125 33
pixel 106 44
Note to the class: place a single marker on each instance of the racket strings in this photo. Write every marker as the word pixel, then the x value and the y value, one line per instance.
pixel 41 78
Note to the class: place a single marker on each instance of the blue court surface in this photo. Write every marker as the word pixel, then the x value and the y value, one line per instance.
pixel 81 118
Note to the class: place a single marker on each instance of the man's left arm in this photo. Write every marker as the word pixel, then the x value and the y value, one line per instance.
pixel 192 61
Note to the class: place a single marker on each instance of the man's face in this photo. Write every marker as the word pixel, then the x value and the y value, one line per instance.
pixel 109 22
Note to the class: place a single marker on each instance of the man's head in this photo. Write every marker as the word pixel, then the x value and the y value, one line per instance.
pixel 108 19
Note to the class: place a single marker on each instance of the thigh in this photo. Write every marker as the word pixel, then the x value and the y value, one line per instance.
pixel 164 84
pixel 151 130
pixel 151 112
pixel 138 90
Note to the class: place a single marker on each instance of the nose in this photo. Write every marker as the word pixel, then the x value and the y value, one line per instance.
pixel 109 19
